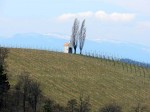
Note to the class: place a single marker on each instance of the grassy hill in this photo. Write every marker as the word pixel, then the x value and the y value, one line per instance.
pixel 66 76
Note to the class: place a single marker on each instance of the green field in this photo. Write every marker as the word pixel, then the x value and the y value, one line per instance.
pixel 67 76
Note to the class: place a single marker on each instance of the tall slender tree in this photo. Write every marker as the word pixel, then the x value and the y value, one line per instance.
pixel 4 86
pixel 34 94
pixel 4 83
pixel 23 85
pixel 82 36
pixel 3 55
pixel 75 34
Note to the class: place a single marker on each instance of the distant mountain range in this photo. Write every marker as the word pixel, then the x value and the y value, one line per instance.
pixel 129 61
pixel 56 42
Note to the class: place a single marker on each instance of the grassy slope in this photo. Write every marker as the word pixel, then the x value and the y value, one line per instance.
pixel 66 76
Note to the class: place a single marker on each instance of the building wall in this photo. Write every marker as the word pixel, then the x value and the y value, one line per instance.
pixel 66 49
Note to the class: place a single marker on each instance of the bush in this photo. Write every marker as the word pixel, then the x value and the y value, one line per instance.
pixel 111 108
pixel 72 106
pixel 140 108
pixel 49 106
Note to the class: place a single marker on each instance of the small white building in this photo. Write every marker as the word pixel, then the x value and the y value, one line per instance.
pixel 67 48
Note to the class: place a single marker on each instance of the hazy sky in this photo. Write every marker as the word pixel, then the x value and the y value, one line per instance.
pixel 106 20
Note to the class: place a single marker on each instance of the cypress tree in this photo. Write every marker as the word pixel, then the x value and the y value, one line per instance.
pixel 4 84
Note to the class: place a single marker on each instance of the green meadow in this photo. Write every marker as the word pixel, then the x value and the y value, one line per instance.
pixel 68 76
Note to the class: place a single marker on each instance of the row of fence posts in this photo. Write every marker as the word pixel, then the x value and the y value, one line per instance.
pixel 138 69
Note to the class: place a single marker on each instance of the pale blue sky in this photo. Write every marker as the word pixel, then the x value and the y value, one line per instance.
pixel 106 20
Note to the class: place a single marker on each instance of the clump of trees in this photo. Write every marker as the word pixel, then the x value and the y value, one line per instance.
pixel 78 35
pixel 83 105
pixel 29 90
pixel 23 97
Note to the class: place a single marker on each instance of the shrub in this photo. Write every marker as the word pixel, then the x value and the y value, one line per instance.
pixel 111 108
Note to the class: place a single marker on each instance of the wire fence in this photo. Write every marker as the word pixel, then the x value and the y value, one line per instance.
pixel 94 54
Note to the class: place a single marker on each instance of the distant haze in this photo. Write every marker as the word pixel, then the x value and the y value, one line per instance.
pixel 56 42
pixel 115 27
pixel 125 21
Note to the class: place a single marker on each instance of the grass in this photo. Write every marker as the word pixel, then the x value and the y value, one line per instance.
pixel 67 76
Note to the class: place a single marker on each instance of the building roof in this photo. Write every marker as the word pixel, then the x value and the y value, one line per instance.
pixel 66 44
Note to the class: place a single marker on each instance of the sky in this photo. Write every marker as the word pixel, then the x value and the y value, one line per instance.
pixel 123 21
